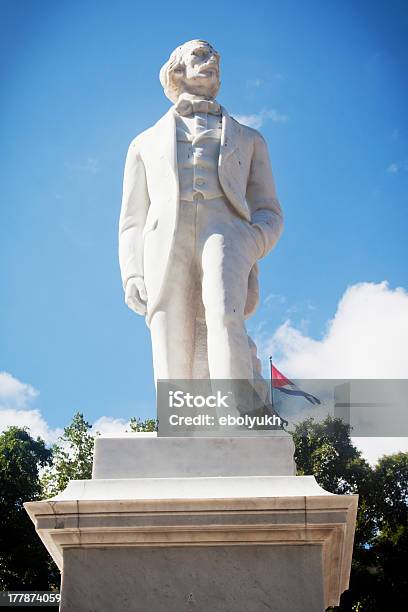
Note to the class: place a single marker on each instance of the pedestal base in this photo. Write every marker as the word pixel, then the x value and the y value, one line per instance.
pixel 266 453
pixel 175 544
pixel 208 579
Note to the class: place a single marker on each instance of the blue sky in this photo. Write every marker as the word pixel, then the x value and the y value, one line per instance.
pixel 325 81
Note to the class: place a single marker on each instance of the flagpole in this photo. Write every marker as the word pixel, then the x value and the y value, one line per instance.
pixel 270 364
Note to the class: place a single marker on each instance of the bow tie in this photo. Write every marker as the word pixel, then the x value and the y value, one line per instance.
pixel 187 107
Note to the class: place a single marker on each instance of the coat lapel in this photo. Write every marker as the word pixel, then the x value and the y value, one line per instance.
pixel 229 137
pixel 230 168
pixel 165 140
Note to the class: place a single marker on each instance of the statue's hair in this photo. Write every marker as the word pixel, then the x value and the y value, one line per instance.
pixel 175 64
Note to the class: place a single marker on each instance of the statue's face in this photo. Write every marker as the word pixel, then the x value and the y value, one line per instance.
pixel 202 70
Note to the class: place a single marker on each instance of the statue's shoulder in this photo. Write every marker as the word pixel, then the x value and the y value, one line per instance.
pixel 141 138
pixel 151 133
pixel 248 133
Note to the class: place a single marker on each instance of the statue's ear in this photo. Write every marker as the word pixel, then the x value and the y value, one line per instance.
pixel 175 84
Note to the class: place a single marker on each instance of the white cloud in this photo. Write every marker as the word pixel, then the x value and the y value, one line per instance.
pixel 374 448
pixel 16 399
pixel 15 409
pixel 32 419
pixel 254 83
pixel 256 120
pixel 275 116
pixel 14 393
pixel 274 298
pixel 367 338
pixel 107 426
pixel 396 167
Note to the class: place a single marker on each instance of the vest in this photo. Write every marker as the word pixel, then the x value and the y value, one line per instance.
pixel 197 158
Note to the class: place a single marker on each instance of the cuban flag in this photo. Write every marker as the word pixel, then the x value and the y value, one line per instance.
pixel 284 385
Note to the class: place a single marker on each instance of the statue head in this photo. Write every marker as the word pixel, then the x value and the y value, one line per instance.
pixel 192 68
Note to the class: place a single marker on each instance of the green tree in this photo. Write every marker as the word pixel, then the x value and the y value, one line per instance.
pixel 325 450
pixel 137 424
pixel 24 561
pixel 386 585
pixel 71 457
pixel 378 579
pixel 391 475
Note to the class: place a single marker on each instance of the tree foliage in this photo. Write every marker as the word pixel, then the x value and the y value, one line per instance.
pixel 137 424
pixel 379 573
pixel 24 562
pixel 71 457
pixel 378 577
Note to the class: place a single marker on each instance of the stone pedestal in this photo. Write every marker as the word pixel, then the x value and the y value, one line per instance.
pixel 198 525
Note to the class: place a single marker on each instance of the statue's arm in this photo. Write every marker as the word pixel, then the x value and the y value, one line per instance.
pixel 135 205
pixel 266 212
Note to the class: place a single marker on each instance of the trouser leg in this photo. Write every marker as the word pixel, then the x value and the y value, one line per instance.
pixel 227 257
pixel 200 361
pixel 173 324
pixel 229 251
pixel 172 344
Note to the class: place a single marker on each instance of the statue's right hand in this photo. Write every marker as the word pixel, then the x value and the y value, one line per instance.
pixel 136 295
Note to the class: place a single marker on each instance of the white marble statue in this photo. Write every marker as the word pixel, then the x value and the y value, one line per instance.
pixel 199 209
